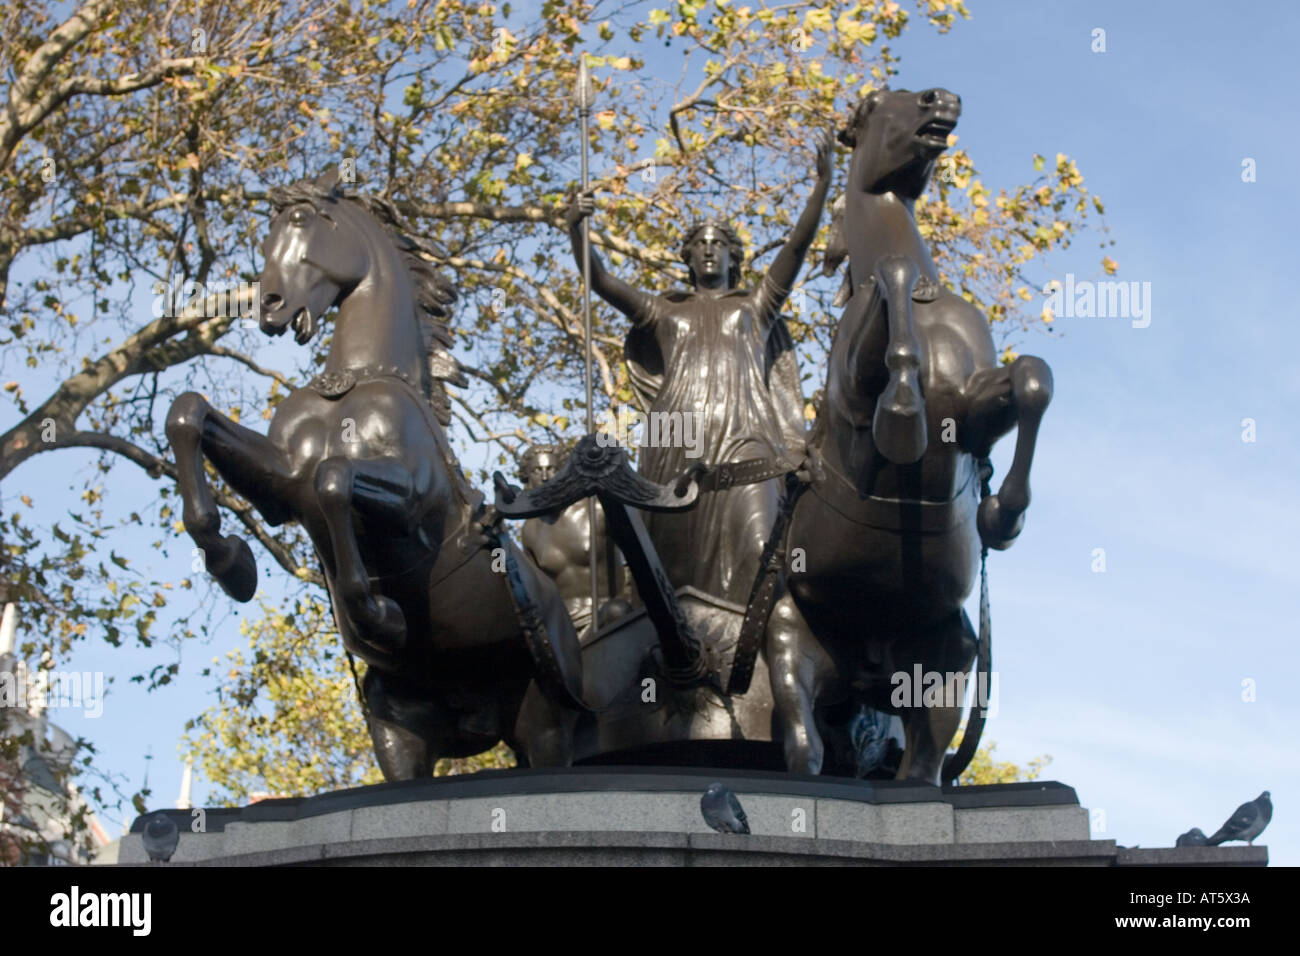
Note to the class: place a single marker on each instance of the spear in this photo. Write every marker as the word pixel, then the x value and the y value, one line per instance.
pixel 586 97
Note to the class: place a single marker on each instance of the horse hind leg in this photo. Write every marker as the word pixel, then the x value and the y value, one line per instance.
pixel 898 425
pixel 1002 516
pixel 947 650
pixel 403 732
pixel 544 730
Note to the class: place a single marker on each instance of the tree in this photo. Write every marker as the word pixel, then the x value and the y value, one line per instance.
pixel 139 145
pixel 983 769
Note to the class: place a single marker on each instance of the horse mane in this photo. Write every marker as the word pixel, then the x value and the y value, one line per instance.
pixel 434 294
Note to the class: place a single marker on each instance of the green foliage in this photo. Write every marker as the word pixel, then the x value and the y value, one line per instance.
pixel 286 721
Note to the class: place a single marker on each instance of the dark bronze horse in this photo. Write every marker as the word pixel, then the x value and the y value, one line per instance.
pixel 466 642
pixel 892 527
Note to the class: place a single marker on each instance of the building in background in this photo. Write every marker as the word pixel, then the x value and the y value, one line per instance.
pixel 39 809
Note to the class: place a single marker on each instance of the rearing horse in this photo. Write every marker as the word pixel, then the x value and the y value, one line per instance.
pixel 453 621
pixel 892 526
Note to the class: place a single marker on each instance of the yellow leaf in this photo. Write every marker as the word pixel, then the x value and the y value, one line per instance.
pixel 1110 265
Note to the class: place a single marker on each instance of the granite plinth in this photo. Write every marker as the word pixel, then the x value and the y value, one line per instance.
pixel 642 816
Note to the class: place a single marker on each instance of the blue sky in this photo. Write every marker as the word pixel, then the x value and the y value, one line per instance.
pixel 1131 679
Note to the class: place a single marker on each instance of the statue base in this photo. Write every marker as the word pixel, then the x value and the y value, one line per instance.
pixel 651 817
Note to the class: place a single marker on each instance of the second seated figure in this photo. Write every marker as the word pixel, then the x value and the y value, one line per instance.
pixel 560 544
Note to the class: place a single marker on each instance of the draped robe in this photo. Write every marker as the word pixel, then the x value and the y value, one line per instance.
pixel 729 361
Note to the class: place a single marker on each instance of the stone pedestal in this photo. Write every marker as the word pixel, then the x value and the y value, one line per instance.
pixel 651 816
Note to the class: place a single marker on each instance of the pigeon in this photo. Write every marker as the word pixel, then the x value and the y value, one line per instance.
pixel 1193 837
pixel 1247 823
pixel 160 837
pixel 722 811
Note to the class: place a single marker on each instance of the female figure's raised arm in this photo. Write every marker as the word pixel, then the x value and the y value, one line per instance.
pixel 781 276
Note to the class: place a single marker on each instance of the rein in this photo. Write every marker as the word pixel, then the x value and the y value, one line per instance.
pixel 956 763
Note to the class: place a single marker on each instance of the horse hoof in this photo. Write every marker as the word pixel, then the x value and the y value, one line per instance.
pixel 898 425
pixel 235 568
pixel 899 433
pixel 998 529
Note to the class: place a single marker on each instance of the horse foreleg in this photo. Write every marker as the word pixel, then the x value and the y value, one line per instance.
pixel 1001 516
pixel 248 461
pixel 898 425
pixel 341 484
pixel 797 666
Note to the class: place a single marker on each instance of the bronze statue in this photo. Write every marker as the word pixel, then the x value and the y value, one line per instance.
pixel 723 357
pixel 559 543
pixel 892 526
pixel 466 642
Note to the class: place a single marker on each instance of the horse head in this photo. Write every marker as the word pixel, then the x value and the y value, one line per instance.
pixel 896 136
pixel 310 263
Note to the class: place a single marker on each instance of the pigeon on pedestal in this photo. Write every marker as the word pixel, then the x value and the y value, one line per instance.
pixel 160 837
pixel 722 811
pixel 1247 823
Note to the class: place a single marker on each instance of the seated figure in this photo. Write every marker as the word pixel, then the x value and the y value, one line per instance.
pixel 560 544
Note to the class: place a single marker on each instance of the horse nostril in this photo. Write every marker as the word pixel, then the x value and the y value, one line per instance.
pixel 271 302
pixel 930 97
